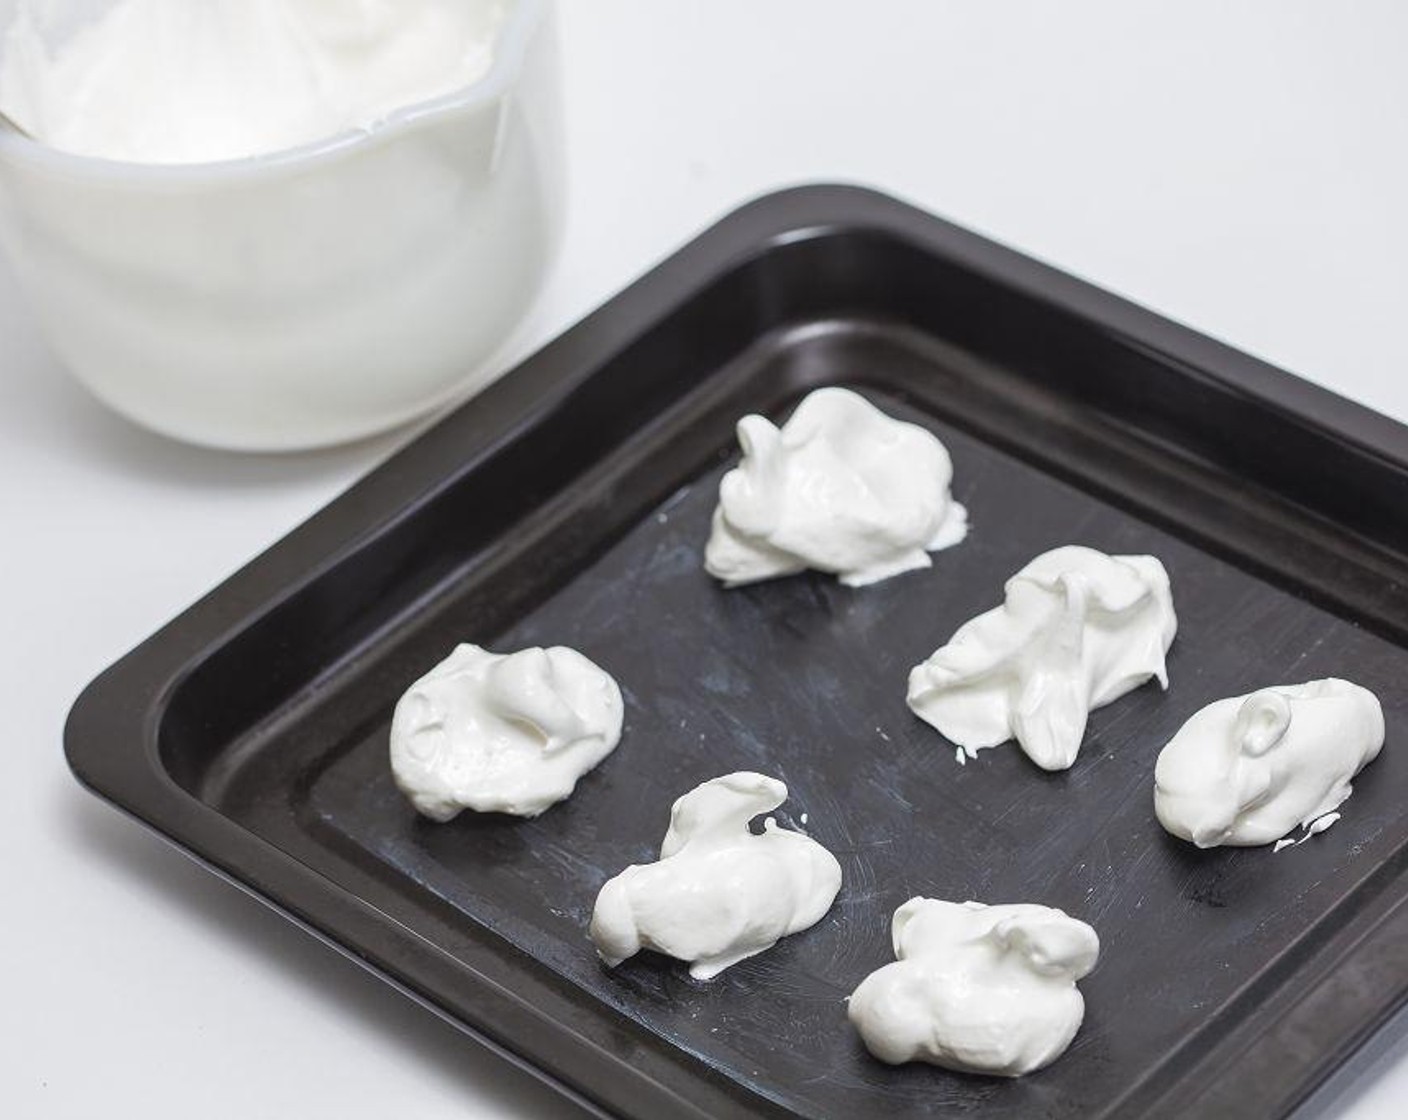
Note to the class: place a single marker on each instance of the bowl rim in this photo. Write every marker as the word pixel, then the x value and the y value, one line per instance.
pixel 521 23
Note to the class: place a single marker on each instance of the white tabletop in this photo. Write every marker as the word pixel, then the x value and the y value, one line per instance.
pixel 1240 167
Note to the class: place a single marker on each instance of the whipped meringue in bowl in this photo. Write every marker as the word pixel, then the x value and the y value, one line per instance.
pixel 255 76
pixel 841 487
pixel 269 225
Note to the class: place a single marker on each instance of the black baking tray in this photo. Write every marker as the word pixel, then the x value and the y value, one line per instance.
pixel 569 504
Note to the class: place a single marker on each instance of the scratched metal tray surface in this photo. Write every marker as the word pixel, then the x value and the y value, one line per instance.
pixel 569 505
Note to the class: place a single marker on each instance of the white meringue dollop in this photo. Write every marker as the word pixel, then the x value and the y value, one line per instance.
pixel 1077 629
pixel 719 893
pixel 1250 769
pixel 502 733
pixel 840 487
pixel 974 988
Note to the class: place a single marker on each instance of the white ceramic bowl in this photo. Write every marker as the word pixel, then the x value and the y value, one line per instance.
pixel 310 296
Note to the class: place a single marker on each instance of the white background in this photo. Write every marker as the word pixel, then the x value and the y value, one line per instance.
pixel 1236 165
